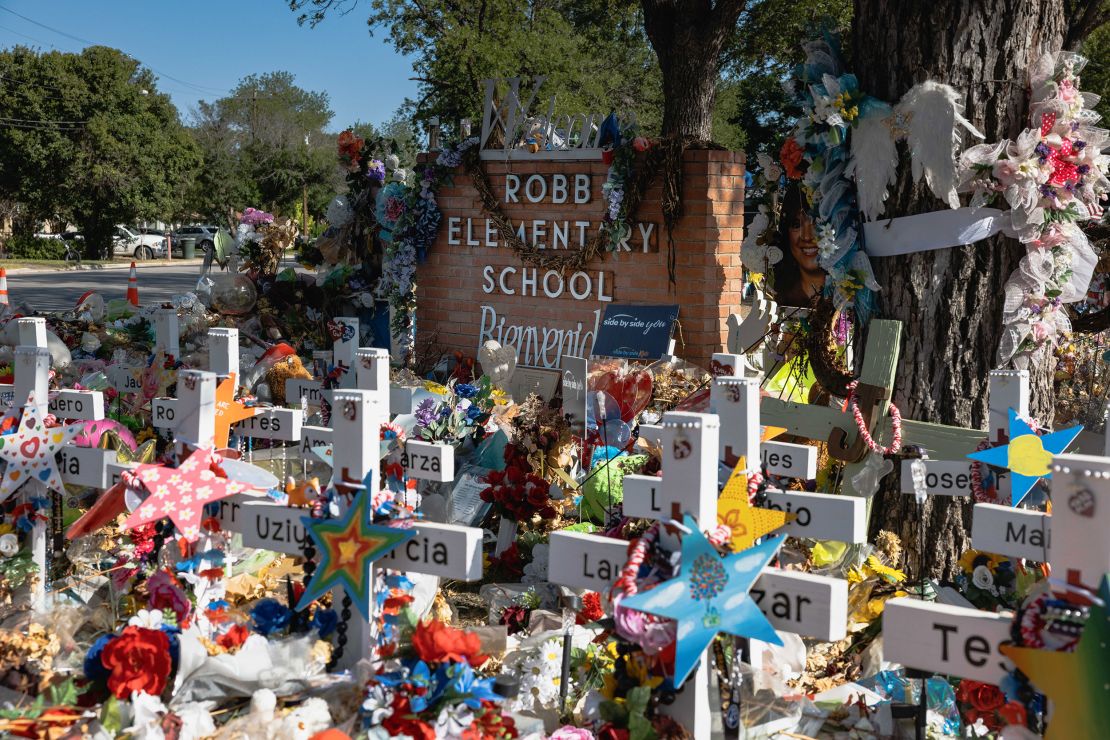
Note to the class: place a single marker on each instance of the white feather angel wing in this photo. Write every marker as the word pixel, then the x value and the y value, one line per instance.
pixel 931 112
pixel 874 163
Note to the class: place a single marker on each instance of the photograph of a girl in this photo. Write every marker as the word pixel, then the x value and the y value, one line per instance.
pixel 798 277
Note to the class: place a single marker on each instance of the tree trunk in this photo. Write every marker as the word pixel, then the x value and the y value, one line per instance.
pixel 687 36
pixel 949 300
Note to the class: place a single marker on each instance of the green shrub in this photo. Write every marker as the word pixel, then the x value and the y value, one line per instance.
pixel 33 248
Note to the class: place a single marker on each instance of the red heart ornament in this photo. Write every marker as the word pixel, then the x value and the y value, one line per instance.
pixel 631 390
pixel 30 447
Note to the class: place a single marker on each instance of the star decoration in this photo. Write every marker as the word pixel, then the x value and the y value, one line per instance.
pixel 748 522
pixel 1078 682
pixel 766 433
pixel 348 548
pixel 29 451
pixel 181 493
pixel 709 595
pixel 229 411
pixel 1028 457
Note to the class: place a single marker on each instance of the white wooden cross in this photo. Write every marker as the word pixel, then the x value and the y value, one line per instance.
pixel 820 516
pixel 873 394
pixel 1007 389
pixel 945 639
pixel 279 424
pixel 796 602
pixel 441 550
pixel 167 334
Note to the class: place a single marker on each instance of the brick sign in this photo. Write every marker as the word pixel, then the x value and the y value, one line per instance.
pixel 474 287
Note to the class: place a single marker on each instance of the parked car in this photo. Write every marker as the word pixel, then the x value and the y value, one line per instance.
pixel 204 234
pixel 141 246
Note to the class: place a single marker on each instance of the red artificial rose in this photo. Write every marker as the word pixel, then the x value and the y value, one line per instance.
pixel 490 724
pixel 138 660
pixel 404 722
pixel 234 637
pixel 990 720
pixel 1013 713
pixel 435 642
pixel 986 697
pixel 791 157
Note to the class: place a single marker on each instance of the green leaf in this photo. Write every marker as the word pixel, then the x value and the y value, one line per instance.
pixel 111 716
pixel 612 712
pixel 638 699
pixel 63 694
pixel 639 728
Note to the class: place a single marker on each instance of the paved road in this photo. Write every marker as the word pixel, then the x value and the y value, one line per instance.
pixel 59 290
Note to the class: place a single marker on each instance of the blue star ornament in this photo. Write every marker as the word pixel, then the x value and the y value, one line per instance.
pixel 1027 456
pixel 709 595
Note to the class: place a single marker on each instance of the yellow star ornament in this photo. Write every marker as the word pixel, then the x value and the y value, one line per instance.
pixel 748 523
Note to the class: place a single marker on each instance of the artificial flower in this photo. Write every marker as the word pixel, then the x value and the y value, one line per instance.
pixel 402 721
pixel 9 545
pixel 324 621
pixel 791 156
pixel 150 619
pixel 435 642
pixel 1013 713
pixel 569 732
pixel 982 577
pixel 138 660
pixel 234 637
pixel 269 616
pixel 164 592
pixel 147 713
pixel 350 147
pixel 93 666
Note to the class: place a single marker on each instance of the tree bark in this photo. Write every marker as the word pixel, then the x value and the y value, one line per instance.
pixel 688 36
pixel 949 300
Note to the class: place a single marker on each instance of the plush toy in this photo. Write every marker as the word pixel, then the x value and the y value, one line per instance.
pixel 287 367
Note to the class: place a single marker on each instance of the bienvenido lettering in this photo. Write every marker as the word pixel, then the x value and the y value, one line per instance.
pixel 537 346
pixel 526 282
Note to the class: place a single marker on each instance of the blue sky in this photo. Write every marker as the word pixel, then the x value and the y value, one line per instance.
pixel 209 45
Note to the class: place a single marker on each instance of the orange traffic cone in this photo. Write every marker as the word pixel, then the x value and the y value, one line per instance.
pixel 133 286
pixel 3 286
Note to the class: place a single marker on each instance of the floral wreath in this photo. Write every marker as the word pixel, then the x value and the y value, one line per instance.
pixel 1051 177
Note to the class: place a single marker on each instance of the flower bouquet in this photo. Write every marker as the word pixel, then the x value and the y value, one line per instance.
pixel 433 690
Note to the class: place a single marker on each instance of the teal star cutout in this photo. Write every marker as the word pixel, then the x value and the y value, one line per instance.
pixel 1028 457
pixel 348 548
pixel 709 595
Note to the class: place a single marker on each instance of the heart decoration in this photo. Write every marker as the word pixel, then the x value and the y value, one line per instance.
pixel 31 447
pixel 631 389
pixel 340 331
pixel 1082 503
